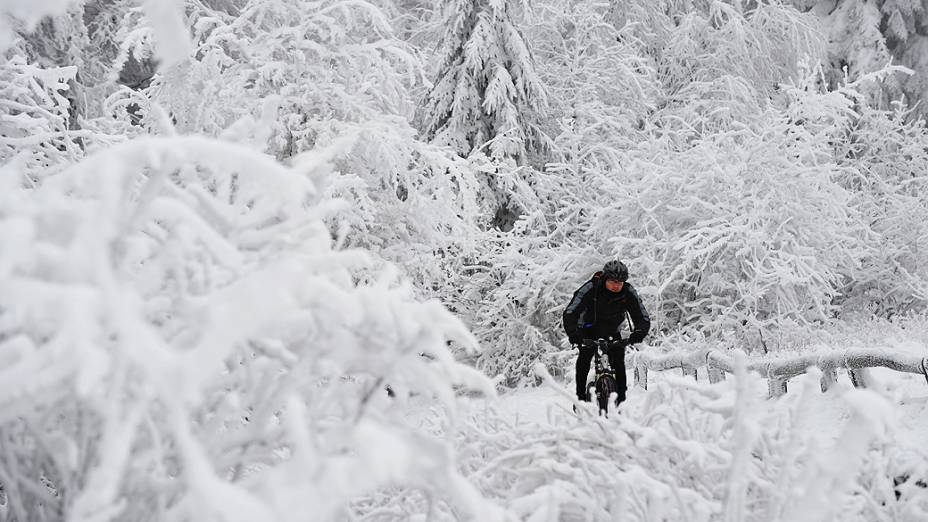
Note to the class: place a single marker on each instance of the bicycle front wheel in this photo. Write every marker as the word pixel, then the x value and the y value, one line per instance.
pixel 605 387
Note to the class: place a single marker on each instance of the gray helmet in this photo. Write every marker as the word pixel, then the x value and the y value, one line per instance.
pixel 615 270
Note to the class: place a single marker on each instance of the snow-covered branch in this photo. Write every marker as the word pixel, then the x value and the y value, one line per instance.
pixel 782 367
pixel 181 340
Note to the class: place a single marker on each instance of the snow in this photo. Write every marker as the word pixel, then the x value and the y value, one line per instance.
pixel 227 228
pixel 28 12
pixel 814 443
pixel 167 21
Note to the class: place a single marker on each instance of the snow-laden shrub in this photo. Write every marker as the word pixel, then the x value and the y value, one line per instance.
pixel 16 17
pixel 273 62
pixel 34 116
pixel 743 232
pixel 630 90
pixel 599 87
pixel 714 63
pixel 332 63
pixel 746 229
pixel 719 61
pixel 701 453
pixel 516 300
pixel 865 37
pixel 886 149
pixel 182 341
pixel 600 84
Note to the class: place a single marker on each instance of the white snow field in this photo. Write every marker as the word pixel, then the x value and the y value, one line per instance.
pixel 227 225
pixel 694 451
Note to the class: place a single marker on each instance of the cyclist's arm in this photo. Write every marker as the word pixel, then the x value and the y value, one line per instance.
pixel 640 318
pixel 578 304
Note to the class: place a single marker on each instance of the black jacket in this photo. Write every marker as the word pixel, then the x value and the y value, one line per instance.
pixel 595 312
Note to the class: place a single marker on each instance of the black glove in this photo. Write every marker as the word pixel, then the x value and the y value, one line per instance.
pixel 574 339
pixel 618 344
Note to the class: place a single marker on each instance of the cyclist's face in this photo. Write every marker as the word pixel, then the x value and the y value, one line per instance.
pixel 614 286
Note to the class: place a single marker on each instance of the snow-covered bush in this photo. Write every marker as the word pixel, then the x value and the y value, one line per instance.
pixel 17 16
pixel 286 49
pixel 599 89
pixel 865 37
pixel 697 452
pixel 740 232
pixel 517 296
pixel 886 149
pixel 719 62
pixel 34 116
pixel 181 340
pixel 600 85
pixel 273 62
pixel 753 208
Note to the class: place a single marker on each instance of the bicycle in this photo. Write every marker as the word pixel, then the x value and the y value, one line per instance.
pixel 603 381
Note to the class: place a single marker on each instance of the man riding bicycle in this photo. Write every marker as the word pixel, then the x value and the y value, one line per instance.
pixel 597 311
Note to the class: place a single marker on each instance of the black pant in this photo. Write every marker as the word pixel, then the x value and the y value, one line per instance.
pixel 616 359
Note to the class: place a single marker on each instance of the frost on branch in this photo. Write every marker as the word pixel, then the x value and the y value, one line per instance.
pixel 181 341
pixel 703 453
pixel 34 116
pixel 487 87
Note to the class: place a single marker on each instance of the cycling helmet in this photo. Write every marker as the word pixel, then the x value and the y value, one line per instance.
pixel 615 270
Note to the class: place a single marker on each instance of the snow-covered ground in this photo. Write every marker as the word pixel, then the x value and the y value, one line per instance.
pixel 686 450
pixel 225 225
pixel 908 393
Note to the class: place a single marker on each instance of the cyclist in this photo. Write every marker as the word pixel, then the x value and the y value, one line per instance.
pixel 597 311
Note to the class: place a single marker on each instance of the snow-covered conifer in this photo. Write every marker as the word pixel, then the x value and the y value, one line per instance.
pixel 487 91
pixel 867 36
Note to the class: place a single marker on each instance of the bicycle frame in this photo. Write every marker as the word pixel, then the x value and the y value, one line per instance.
pixel 604 382
pixel 601 359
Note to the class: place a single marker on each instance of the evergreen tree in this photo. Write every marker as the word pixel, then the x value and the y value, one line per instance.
pixel 487 88
pixel 866 36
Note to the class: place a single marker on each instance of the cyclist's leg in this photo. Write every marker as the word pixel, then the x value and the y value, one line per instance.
pixel 617 360
pixel 584 358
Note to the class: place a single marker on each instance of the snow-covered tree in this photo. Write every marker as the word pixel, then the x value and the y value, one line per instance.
pixel 269 63
pixel 35 116
pixel 720 63
pixel 600 85
pixel 866 36
pixel 17 17
pixel 630 88
pixel 599 88
pixel 213 258
pixel 183 341
pixel 885 148
pixel 744 232
pixel 487 92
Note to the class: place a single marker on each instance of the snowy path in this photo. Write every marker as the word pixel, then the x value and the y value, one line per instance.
pixel 693 451
pixel 909 393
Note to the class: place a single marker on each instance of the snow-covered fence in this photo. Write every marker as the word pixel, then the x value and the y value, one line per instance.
pixel 778 371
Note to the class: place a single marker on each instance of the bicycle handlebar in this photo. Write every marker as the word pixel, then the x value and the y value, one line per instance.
pixel 607 342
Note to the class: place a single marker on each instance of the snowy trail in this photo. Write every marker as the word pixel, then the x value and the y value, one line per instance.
pixel 685 450
pixel 909 393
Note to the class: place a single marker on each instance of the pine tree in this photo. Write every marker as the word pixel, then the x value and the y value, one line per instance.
pixel 487 89
pixel 867 35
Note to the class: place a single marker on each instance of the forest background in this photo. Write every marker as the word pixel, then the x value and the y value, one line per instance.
pixel 271 187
